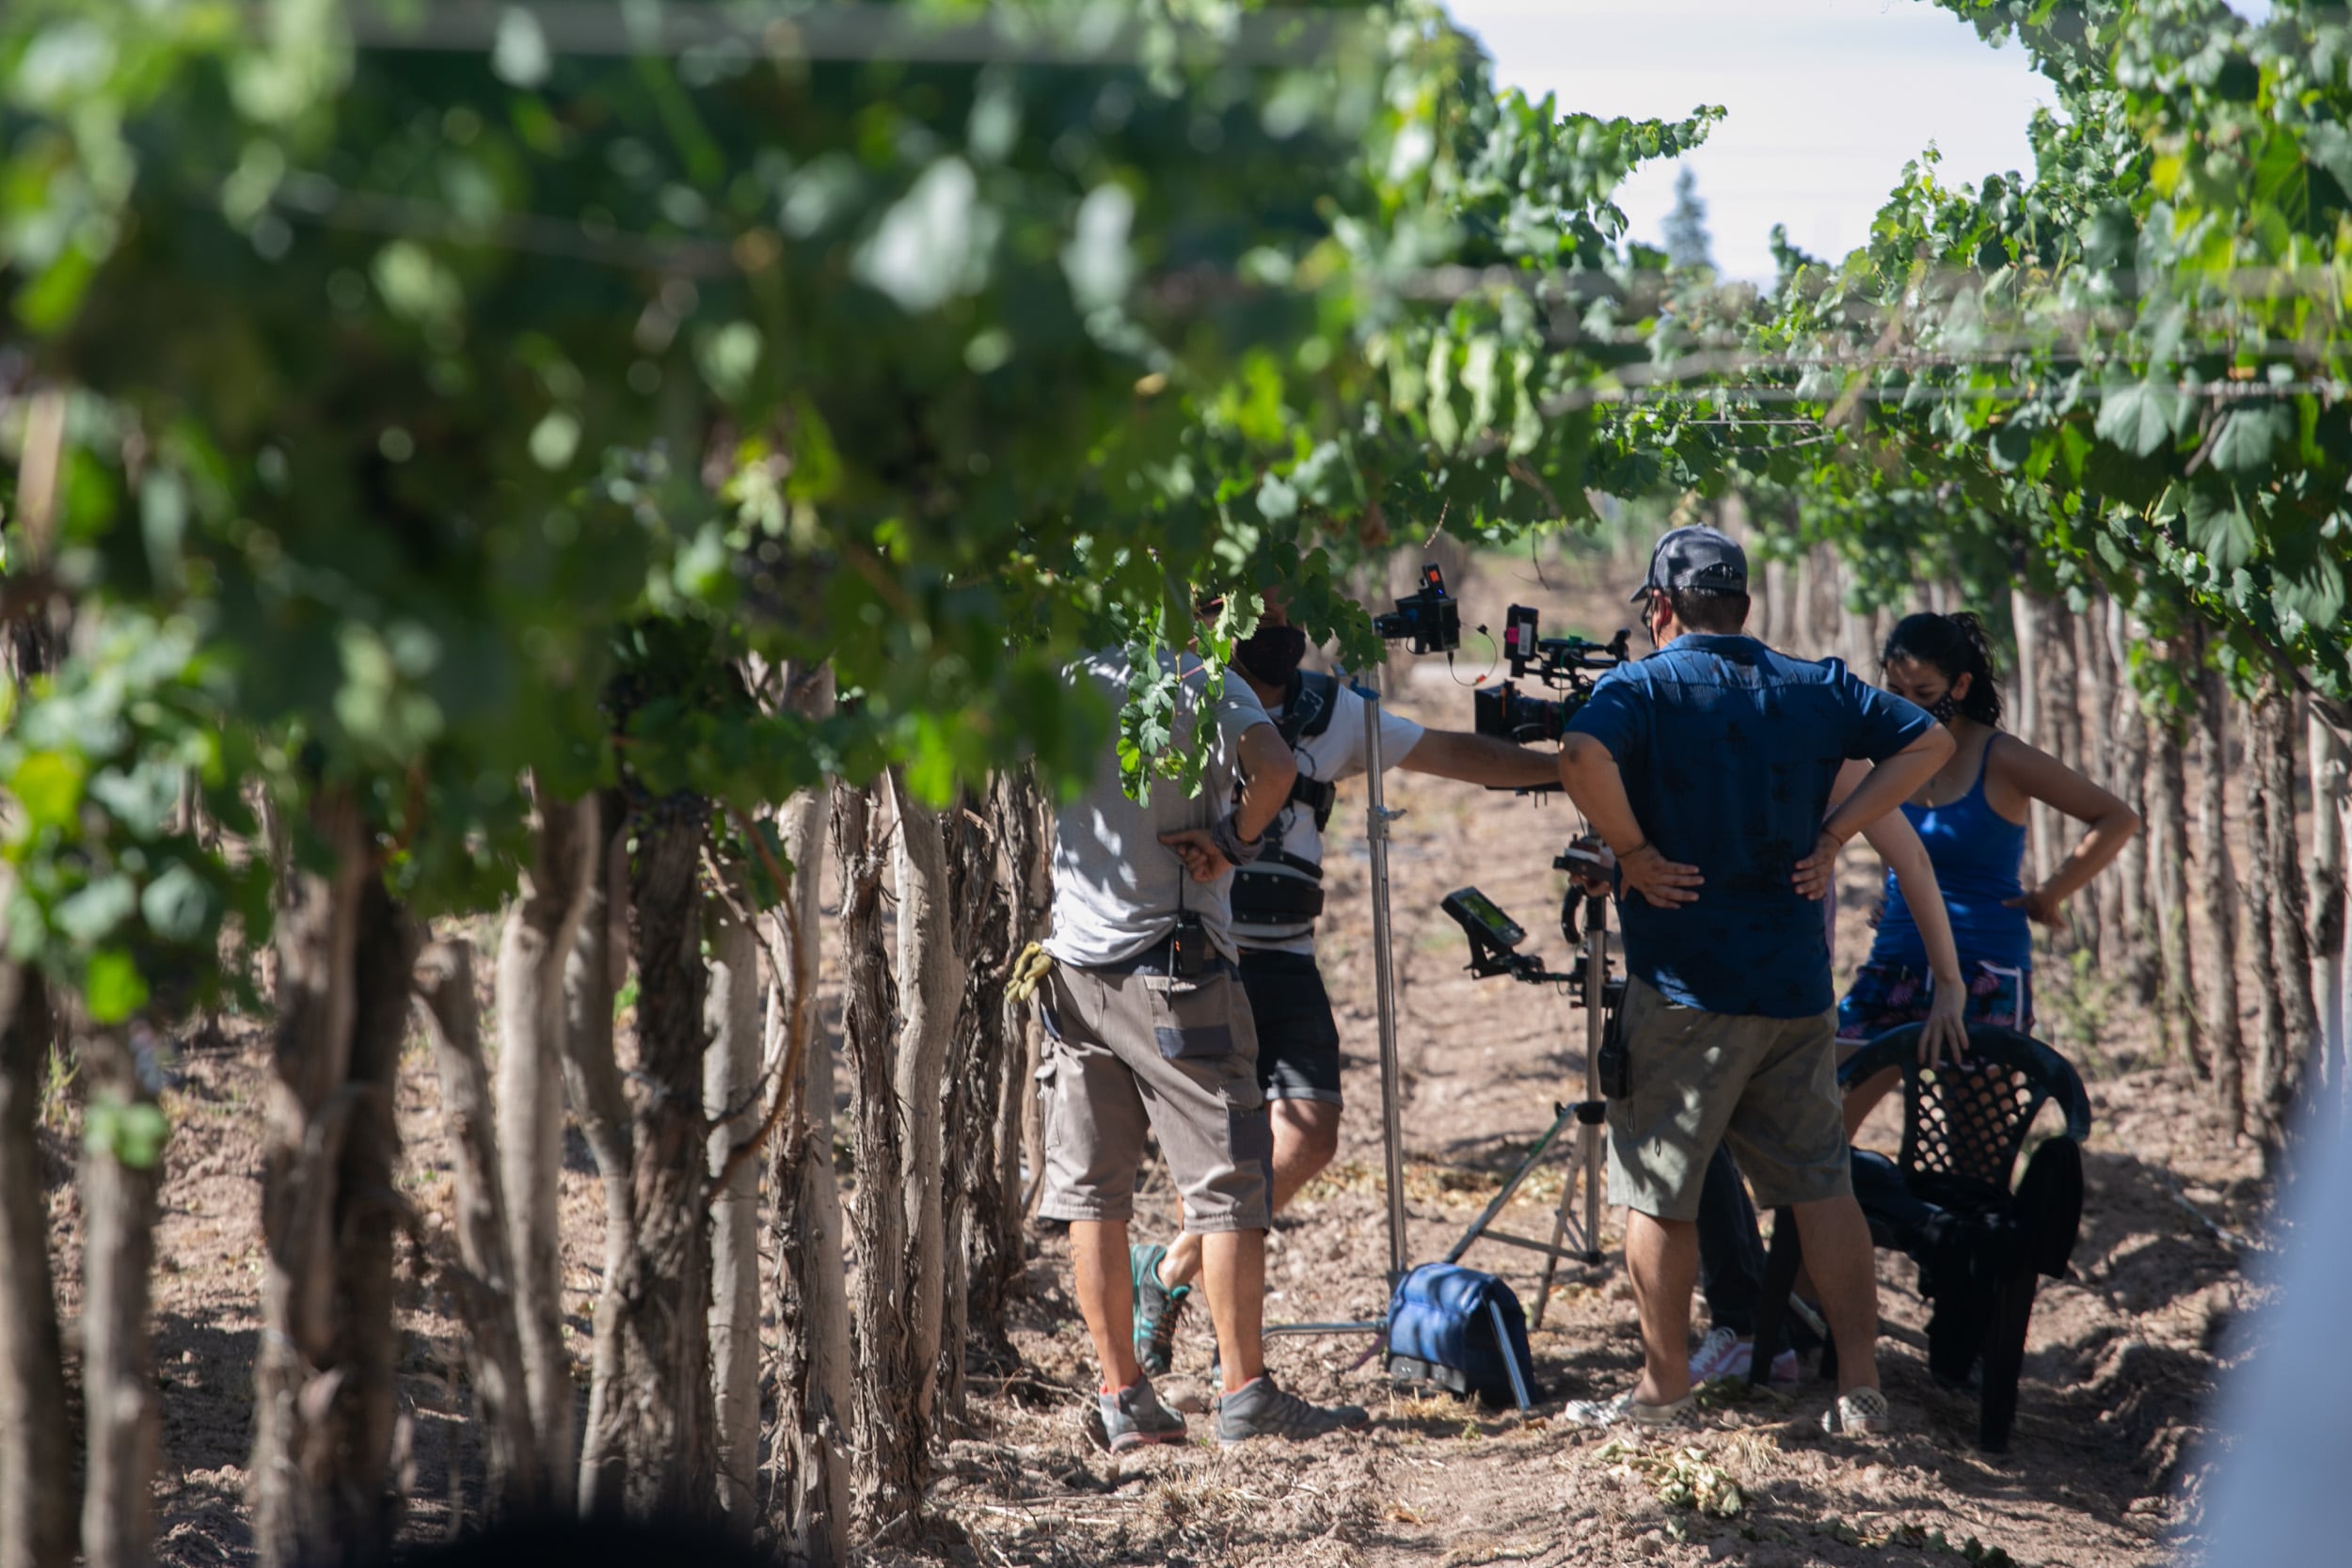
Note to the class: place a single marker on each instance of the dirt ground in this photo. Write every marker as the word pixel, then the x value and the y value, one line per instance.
pixel 2102 1472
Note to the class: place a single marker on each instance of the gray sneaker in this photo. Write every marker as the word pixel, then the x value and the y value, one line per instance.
pixel 1259 1409
pixel 1135 1416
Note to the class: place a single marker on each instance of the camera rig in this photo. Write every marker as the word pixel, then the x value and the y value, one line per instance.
pixel 1568 665
pixel 1429 617
pixel 1494 939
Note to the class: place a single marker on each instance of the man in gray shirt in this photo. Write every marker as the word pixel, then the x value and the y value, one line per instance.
pixel 1149 1032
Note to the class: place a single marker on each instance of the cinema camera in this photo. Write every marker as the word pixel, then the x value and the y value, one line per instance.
pixel 1570 665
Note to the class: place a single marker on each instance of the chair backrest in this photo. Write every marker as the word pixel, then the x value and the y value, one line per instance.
pixel 1964 1126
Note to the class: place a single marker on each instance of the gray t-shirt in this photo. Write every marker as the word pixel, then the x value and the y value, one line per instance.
pixel 1117 888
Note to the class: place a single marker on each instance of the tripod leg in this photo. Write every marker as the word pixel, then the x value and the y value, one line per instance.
pixel 1559 1233
pixel 1527 1163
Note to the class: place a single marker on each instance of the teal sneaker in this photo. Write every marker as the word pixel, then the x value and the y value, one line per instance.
pixel 1158 1307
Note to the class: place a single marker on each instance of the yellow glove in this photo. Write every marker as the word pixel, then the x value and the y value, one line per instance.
pixel 1030 967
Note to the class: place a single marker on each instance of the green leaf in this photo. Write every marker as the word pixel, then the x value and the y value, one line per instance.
pixel 95 910
pixel 2242 445
pixel 112 988
pixel 2220 530
pixel 178 906
pixel 130 1133
pixel 2139 416
pixel 48 785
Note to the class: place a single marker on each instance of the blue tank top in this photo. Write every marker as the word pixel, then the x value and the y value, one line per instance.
pixel 1977 853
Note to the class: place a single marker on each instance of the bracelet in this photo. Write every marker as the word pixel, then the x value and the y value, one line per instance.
pixel 1635 850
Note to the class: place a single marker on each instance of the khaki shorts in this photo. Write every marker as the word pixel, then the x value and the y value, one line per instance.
pixel 1131 1054
pixel 1767 1087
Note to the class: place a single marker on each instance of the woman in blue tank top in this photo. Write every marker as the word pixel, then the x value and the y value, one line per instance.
pixel 1971 817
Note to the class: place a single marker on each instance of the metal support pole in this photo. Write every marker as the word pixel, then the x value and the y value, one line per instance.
pixel 1376 819
pixel 1596 1028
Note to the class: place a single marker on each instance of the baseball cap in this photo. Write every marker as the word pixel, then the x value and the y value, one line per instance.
pixel 1696 558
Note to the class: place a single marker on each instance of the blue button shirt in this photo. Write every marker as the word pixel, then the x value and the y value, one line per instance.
pixel 1728 750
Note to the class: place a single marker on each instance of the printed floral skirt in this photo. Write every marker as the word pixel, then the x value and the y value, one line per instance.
pixel 1888 996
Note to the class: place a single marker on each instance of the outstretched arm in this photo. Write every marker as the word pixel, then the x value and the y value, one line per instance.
pixel 1481 759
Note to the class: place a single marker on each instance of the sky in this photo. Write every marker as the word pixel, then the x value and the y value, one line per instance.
pixel 1828 100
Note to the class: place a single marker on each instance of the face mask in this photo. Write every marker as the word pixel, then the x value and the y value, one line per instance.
pixel 1272 653
pixel 1945 708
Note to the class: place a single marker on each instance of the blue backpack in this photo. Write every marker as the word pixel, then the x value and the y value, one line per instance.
pixel 1463 1331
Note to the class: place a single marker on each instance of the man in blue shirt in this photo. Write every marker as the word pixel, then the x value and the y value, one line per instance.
pixel 1707 769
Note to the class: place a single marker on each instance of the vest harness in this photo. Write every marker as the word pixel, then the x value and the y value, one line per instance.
pixel 1280 895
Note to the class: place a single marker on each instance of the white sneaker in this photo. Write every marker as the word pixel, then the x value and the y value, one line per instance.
pixel 1859 1413
pixel 1724 1353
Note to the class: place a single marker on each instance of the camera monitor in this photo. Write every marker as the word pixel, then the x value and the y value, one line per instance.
pixel 1481 917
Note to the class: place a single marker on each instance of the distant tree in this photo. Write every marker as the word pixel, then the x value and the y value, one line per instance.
pixel 1686 243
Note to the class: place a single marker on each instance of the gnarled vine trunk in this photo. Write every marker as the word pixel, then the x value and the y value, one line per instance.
pixel 811 1455
pixel 2026 708
pixel 120 1168
pixel 2331 816
pixel 2290 1021
pixel 2216 964
pixel 485 1286
pixel 324 1410
pixel 733 1106
pixel 931 989
pixel 974 1083
pixel 535 944
pixel 592 1077
pixel 2167 866
pixel 37 1497
pixel 656 1418
pixel 889 1459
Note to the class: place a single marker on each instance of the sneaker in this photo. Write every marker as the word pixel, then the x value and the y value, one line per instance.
pixel 1158 1308
pixel 1724 1353
pixel 1859 1413
pixel 1259 1409
pixel 1624 1410
pixel 1134 1417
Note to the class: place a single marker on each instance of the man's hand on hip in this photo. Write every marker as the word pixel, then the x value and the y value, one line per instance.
pixel 1200 853
pixel 1668 884
pixel 1814 873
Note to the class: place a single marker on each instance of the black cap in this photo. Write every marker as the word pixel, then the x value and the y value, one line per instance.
pixel 1696 558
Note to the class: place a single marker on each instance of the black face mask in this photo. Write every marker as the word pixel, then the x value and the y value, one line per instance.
pixel 1272 653
pixel 1945 708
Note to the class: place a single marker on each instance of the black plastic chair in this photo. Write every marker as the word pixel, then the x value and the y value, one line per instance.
pixel 1947 1201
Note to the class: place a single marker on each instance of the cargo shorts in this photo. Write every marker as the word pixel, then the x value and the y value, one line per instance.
pixel 1131 1054
pixel 1767 1087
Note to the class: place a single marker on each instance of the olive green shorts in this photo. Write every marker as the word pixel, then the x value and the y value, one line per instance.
pixel 1767 1087
pixel 1129 1057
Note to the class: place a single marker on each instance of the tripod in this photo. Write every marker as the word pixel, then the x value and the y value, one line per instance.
pixel 1600 997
